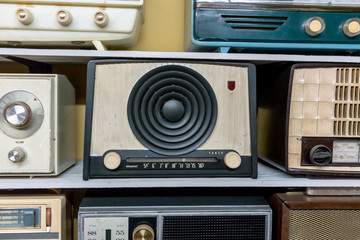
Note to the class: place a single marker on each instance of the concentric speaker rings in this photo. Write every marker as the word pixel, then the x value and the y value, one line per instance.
pixel 172 110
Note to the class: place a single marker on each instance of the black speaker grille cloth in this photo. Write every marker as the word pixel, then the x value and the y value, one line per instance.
pixel 214 228
pixel 172 110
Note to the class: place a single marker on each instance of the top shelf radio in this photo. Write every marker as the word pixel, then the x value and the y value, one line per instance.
pixel 70 23
pixel 274 25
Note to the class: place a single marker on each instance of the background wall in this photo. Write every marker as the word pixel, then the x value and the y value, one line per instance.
pixel 163 31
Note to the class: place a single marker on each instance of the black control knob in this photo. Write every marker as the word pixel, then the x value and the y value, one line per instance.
pixel 320 155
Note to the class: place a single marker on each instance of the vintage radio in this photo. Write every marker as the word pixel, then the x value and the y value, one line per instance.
pixel 34 217
pixel 309 119
pixel 306 25
pixel 170 118
pixel 37 123
pixel 175 218
pixel 70 23
pixel 298 216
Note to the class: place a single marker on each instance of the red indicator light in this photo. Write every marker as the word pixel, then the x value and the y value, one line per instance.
pixel 35 99
pixel 231 85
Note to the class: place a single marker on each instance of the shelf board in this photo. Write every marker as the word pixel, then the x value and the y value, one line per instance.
pixel 268 177
pixel 83 56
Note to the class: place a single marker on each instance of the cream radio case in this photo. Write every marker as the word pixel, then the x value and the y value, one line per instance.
pixel 316 111
pixel 70 23
pixel 37 124
pixel 170 118
pixel 34 217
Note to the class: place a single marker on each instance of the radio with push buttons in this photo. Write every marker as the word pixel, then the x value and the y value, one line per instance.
pixel 304 25
pixel 170 118
pixel 37 122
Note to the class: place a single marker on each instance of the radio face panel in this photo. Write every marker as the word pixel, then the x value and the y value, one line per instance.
pixel 174 222
pixel 259 25
pixel 33 217
pixel 323 119
pixel 32 107
pixel 194 118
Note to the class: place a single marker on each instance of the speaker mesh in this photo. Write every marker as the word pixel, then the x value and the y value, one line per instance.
pixel 172 110
pixel 324 224
pixel 214 228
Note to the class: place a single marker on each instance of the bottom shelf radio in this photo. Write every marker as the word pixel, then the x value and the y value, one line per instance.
pixel 175 218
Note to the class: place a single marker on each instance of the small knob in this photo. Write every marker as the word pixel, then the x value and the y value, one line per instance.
pixel 232 160
pixel 112 160
pixel 314 26
pixel 143 232
pixel 24 16
pixel 64 17
pixel 16 155
pixel 351 27
pixel 101 19
pixel 320 155
pixel 17 114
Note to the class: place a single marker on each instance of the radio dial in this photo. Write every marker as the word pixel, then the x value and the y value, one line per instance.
pixel 112 160
pixel 314 26
pixel 143 232
pixel 16 155
pixel 24 16
pixel 64 17
pixel 351 27
pixel 232 160
pixel 17 115
pixel 320 155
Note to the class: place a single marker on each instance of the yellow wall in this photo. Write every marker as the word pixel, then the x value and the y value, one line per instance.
pixel 163 31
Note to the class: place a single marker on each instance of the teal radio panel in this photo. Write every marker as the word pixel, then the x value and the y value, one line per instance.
pixel 274 25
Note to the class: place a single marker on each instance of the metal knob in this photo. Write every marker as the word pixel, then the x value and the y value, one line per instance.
pixel 351 27
pixel 143 232
pixel 17 114
pixel 24 16
pixel 232 160
pixel 320 155
pixel 314 26
pixel 16 155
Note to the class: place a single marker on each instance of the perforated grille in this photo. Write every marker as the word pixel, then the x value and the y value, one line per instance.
pixel 347 102
pixel 214 228
pixel 324 224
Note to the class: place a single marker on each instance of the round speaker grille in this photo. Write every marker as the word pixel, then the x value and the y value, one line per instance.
pixel 172 110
